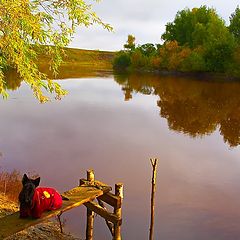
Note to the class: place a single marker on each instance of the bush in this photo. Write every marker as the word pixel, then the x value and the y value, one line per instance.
pixel 194 63
pixel 122 61
pixel 138 60
pixel 10 184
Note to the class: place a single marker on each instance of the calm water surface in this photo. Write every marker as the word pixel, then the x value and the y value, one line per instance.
pixel 114 124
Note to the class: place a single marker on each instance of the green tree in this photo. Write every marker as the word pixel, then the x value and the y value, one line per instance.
pixel 148 49
pixel 27 27
pixel 190 26
pixel 130 44
pixel 219 46
pixel 234 26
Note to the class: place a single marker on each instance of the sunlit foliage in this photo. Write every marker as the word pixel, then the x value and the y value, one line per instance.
pixel 28 28
pixel 190 27
pixel 196 41
pixel 130 44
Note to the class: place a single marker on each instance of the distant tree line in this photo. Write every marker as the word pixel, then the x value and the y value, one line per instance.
pixel 198 40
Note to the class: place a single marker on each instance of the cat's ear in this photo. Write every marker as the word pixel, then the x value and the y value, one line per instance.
pixel 25 179
pixel 36 181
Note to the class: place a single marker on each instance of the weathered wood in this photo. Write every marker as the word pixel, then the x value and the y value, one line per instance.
pixel 90 223
pixel 90 213
pixel 97 184
pixel 154 175
pixel 102 212
pixel 118 212
pixel 77 196
pixel 109 224
pixel 90 175
pixel 111 199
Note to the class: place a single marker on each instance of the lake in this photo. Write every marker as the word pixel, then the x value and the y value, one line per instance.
pixel 114 124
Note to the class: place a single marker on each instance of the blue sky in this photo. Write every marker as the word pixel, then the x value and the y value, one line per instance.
pixel 146 20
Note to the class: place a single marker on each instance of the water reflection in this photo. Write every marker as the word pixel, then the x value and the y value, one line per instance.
pixel 193 107
pixel 13 80
pixel 197 183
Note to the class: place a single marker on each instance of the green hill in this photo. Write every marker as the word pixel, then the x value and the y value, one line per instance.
pixel 79 62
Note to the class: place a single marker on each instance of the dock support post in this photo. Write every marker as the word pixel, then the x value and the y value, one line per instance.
pixel 118 212
pixel 90 214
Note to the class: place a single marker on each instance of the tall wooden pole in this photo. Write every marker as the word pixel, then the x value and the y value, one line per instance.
pixel 118 212
pixel 90 214
pixel 154 175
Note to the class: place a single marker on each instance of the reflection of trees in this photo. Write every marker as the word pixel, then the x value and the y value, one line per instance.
pixel 192 106
pixel 13 80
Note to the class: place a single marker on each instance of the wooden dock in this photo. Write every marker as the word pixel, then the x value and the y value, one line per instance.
pixel 87 191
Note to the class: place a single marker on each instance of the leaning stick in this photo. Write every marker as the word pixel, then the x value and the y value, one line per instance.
pixel 154 175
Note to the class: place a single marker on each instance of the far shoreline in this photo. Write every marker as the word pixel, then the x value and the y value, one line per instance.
pixel 203 76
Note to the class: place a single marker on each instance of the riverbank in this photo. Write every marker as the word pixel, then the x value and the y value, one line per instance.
pixel 43 231
pixel 80 61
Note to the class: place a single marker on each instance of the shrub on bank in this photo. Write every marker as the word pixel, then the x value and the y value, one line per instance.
pixel 122 61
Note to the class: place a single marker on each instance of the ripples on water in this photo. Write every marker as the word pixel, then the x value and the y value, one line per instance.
pixel 114 124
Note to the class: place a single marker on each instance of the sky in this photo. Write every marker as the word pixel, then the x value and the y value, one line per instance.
pixel 145 20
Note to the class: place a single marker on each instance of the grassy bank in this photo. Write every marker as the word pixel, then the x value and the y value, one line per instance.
pixel 80 62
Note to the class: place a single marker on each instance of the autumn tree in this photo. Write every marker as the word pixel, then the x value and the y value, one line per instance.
pixel 26 26
pixel 202 27
pixel 130 44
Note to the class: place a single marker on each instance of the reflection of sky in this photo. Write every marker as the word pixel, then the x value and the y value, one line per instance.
pixel 144 19
pixel 197 182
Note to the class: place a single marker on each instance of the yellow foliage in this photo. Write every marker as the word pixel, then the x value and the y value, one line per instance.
pixel 25 26
pixel 155 62
pixel 138 59
pixel 172 46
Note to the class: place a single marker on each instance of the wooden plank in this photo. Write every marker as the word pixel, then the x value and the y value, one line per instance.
pixel 95 183
pixel 111 199
pixel 77 196
pixel 102 212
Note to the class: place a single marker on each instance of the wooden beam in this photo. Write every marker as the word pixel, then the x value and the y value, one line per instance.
pixel 103 212
pixel 111 199
pixel 97 184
